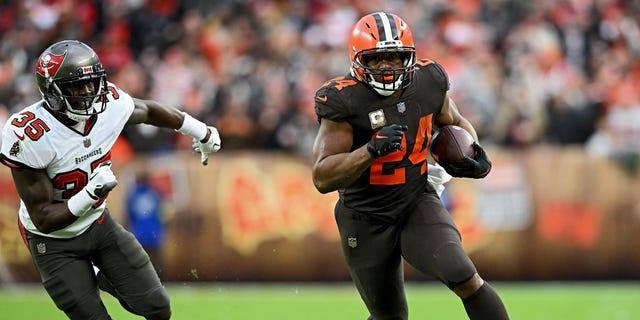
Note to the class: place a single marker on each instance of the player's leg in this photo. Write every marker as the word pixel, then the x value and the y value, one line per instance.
pixel 483 302
pixel 374 262
pixel 127 268
pixel 431 243
pixel 105 285
pixel 67 276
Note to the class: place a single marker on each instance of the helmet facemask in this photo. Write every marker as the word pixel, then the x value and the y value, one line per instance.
pixel 60 97
pixel 386 81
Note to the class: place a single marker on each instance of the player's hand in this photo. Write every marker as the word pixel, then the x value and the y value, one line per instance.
pixel 476 167
pixel 387 140
pixel 101 181
pixel 209 146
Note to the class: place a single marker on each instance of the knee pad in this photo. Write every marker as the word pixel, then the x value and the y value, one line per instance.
pixel 453 264
pixel 154 302
pixel 159 299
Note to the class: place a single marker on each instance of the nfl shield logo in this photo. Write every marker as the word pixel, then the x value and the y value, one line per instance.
pixel 42 248
pixel 87 142
pixel 352 242
pixel 401 107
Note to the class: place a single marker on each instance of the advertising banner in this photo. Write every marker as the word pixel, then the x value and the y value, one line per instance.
pixel 542 214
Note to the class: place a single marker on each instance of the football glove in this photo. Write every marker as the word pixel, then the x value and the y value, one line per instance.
pixel 477 167
pixel 386 140
pixel 207 147
pixel 101 181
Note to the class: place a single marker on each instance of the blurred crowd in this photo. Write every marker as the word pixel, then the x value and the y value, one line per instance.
pixel 564 72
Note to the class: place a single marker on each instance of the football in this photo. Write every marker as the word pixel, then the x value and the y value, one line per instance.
pixel 451 144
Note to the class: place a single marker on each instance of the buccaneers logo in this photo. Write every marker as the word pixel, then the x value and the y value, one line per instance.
pixel 49 63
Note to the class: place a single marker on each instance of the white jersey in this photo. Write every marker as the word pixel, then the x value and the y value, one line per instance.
pixel 33 138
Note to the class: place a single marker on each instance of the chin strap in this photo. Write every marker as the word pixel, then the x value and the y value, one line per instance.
pixel 385 93
pixel 77 117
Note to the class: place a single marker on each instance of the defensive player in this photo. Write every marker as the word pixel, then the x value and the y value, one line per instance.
pixel 375 127
pixel 58 150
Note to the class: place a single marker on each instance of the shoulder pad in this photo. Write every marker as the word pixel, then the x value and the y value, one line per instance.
pixel 334 85
pixel 328 99
pixel 436 71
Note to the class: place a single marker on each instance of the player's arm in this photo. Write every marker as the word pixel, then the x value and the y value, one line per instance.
pixel 206 138
pixel 36 191
pixel 450 115
pixel 334 167
pixel 480 165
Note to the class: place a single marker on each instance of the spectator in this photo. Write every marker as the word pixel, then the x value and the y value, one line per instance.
pixel 147 213
pixel 522 70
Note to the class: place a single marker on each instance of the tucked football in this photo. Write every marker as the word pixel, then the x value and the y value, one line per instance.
pixel 451 144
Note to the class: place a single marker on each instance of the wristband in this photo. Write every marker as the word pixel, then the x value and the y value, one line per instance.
pixel 193 127
pixel 80 203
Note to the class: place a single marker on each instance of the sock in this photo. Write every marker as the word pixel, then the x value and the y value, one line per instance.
pixel 485 304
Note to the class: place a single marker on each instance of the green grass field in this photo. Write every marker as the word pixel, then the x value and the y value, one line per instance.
pixel 525 301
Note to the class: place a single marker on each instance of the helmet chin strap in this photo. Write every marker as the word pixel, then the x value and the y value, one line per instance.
pixel 77 117
pixel 385 93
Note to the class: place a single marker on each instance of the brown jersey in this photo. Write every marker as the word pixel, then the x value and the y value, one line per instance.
pixel 392 182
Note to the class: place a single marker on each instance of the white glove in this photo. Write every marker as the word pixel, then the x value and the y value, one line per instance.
pixel 210 146
pixel 437 177
pixel 102 181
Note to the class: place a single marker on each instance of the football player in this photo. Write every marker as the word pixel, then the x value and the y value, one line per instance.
pixel 58 150
pixel 375 128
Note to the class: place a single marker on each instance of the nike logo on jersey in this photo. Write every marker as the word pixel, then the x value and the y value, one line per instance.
pixel 20 136
pixel 322 98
